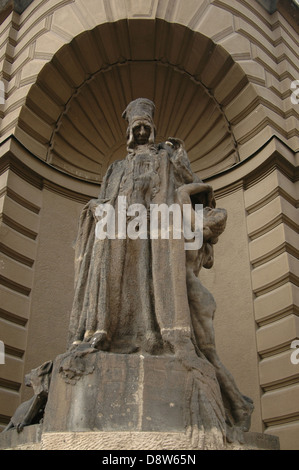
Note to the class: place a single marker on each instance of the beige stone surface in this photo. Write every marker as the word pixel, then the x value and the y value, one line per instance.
pixel 272 213
pixel 33 438
pixel 274 271
pixel 287 434
pixel 278 333
pixel 22 216
pixel 17 332
pixel 16 272
pixel 52 297
pixel 215 23
pixel 25 189
pixel 275 180
pixel 136 441
pixel 277 370
pixel 12 371
pixel 19 227
pixel 270 245
pixel 280 301
pixel 280 404
pixel 13 241
pixel 119 441
pixel 16 304
pixel 9 401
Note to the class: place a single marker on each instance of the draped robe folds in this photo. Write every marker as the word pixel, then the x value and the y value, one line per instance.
pixel 134 291
pixel 143 295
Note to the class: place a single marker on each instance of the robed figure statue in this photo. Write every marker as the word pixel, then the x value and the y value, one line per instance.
pixel 141 293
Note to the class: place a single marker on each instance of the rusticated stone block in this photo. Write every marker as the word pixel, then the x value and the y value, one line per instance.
pixel 124 441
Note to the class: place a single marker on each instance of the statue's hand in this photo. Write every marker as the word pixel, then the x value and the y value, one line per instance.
pixel 190 189
pixel 211 202
pixel 175 143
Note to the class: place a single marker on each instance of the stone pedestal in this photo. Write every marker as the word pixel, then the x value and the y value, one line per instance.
pixel 116 393
pixel 110 401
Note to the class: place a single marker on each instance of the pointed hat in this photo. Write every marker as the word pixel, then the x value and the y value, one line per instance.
pixel 139 109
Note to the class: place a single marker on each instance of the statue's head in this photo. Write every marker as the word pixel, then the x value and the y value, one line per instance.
pixel 141 129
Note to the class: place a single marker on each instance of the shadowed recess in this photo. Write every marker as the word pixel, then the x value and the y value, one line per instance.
pixel 72 116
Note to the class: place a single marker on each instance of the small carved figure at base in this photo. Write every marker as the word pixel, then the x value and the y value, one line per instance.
pixel 32 411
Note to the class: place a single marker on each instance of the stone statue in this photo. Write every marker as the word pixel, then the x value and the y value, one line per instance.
pixel 32 411
pixel 141 333
pixel 142 294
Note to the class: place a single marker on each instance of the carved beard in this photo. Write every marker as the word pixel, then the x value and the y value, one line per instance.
pixel 141 180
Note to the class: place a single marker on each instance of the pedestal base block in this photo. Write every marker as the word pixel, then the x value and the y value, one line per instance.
pixel 134 393
pixel 32 438
pixel 105 401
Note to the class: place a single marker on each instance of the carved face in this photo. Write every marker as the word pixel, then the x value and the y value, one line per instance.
pixel 214 222
pixel 142 132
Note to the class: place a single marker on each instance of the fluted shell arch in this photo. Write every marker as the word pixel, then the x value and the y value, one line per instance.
pixel 72 116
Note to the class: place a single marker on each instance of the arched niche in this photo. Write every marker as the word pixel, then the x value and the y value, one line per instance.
pixel 72 115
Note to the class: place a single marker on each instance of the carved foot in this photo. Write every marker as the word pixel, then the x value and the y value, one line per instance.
pixel 99 340
pixel 234 434
pixel 20 427
pixel 83 349
pixel 243 414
